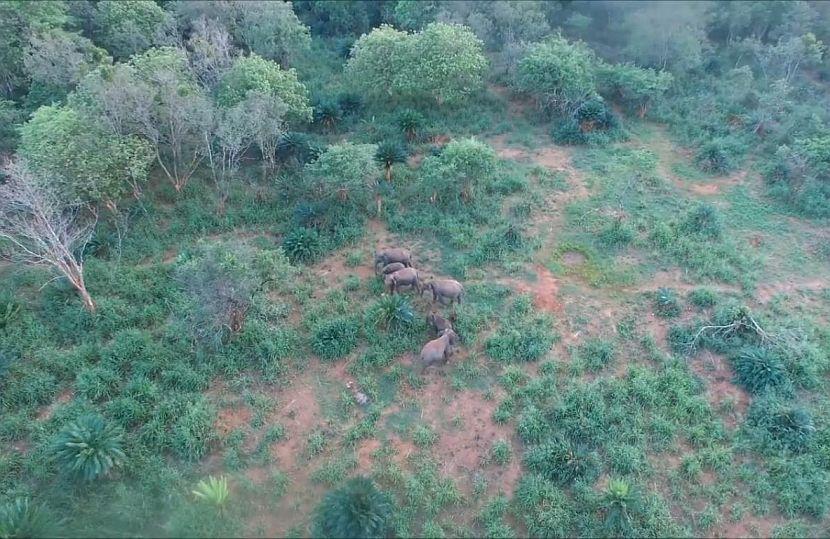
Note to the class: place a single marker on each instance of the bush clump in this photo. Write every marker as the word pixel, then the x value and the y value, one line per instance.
pixel 760 368
pixel 302 244
pixel 562 461
pixel 89 448
pixel 334 338
pixel 356 509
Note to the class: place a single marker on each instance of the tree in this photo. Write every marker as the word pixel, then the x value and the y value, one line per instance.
pixel 444 62
pixel 271 30
pixel 667 35
pixel 91 164
pixel 461 167
pixel 634 87
pixel 264 76
pixel 345 173
pixel 558 74
pixel 388 154
pixel 210 49
pixel 128 27
pixel 356 509
pixel 19 19
pixel 171 111
pixel 60 59
pixel 40 228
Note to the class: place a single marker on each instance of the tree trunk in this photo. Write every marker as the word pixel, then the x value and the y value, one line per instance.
pixel 389 172
pixel 89 304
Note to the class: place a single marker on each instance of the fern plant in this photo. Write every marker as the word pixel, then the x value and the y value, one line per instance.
pixel 666 303
pixel 21 518
pixel 89 448
pixel 213 490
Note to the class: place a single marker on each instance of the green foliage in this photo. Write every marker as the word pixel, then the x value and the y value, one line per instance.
pixel 592 122
pixel 521 339
pixel 798 174
pixel 634 87
pixel 128 27
pixel 90 163
pixel 558 74
pixel 88 448
pixel 192 431
pixel 357 509
pixel 424 436
pixel 389 153
pixel 596 353
pixel 271 30
pixel 781 425
pixel 562 462
pixel 666 303
pixel 335 337
pixel 213 490
pixel 705 220
pixel 621 504
pixel 716 157
pixel 345 173
pixel 459 172
pixel 759 369
pixel 22 518
pixel 392 312
pixel 302 244
pixel 501 452
pixel 703 298
pixel 254 73
pixel 443 62
pixel 411 122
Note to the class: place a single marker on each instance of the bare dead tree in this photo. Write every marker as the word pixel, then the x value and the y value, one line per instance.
pixel 40 229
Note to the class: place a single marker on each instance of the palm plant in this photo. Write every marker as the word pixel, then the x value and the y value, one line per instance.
pixel 620 504
pixel 394 312
pixel 411 122
pixel 357 509
pixel 328 114
pixel 388 154
pixel 213 490
pixel 21 518
pixel 88 448
pixel 297 147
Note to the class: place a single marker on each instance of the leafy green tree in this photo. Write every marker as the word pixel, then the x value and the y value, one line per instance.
pixel 356 509
pixel 261 75
pixel 667 35
pixel 558 74
pixel 345 172
pixel 634 87
pixel 462 167
pixel 271 30
pixel 89 448
pixel 95 165
pixel 127 27
pixel 444 62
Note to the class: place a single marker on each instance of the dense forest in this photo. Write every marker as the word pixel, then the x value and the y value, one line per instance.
pixel 414 268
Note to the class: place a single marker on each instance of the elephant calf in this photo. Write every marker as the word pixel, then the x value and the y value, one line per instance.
pixel 438 350
pixel 445 289
pixel 402 277
pixel 395 254
pixel 438 323
pixel 391 268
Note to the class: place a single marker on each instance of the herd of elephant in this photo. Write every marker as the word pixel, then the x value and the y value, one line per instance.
pixel 396 269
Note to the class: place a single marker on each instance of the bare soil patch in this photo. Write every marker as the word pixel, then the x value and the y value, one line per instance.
pixel 573 259
pixel 46 412
pixel 544 290
pixel 767 291
pixel 231 419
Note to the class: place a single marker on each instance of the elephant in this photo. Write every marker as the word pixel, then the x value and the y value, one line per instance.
pixel 395 254
pixel 402 277
pixel 391 268
pixel 445 288
pixel 438 350
pixel 438 322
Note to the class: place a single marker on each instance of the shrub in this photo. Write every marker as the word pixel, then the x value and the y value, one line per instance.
pixel 501 452
pixel 617 234
pixel 620 503
pixel 704 220
pixel 703 297
pixel 411 123
pixel 716 157
pixel 533 426
pixel 759 368
pixel 302 244
pixel 596 353
pixel 666 303
pixel 22 518
pixel 327 113
pixel 521 340
pixel 783 425
pixel 424 436
pixel 334 338
pixel 562 462
pixel 97 383
pixel 357 509
pixel 193 431
pixel 88 448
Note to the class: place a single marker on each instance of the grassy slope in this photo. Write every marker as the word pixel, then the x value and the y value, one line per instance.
pixel 670 425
